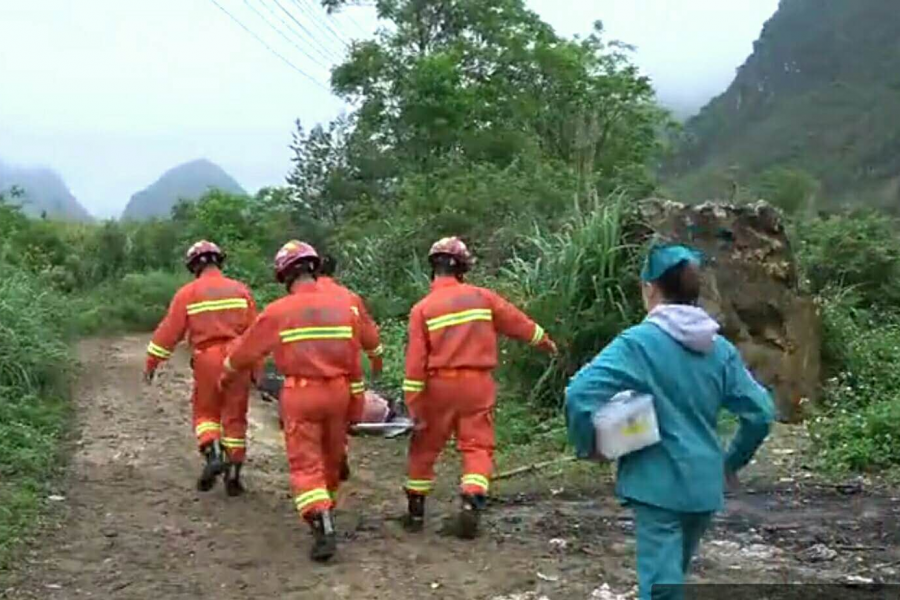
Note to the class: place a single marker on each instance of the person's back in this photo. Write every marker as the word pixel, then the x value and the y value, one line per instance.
pixel 677 357
pixel 692 373
pixel 461 322
pixel 369 335
pixel 325 324
pixel 216 308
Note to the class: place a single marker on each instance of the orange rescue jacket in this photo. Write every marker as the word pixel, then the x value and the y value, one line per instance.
pixel 455 327
pixel 369 336
pixel 312 334
pixel 210 310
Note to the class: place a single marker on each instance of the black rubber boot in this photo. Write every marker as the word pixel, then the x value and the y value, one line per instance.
pixel 233 485
pixel 415 517
pixel 470 516
pixel 215 464
pixel 345 469
pixel 324 537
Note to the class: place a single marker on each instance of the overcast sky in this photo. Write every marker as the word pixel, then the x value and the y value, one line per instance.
pixel 111 93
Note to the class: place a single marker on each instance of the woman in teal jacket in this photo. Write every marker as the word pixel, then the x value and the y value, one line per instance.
pixel 676 356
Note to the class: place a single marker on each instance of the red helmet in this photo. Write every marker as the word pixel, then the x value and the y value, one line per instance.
pixel 452 246
pixel 199 249
pixel 290 254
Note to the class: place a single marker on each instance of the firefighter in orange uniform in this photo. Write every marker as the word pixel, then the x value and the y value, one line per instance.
pixel 449 387
pixel 213 311
pixel 369 336
pixel 314 336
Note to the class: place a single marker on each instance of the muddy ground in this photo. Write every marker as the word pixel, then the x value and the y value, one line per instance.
pixel 131 524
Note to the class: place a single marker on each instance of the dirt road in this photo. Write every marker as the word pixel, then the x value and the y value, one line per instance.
pixel 134 527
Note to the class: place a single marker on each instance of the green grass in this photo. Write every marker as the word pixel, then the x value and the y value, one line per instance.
pixel 34 372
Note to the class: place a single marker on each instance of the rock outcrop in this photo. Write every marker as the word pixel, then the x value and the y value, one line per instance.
pixel 752 288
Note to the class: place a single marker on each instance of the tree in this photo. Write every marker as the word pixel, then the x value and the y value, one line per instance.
pixel 486 81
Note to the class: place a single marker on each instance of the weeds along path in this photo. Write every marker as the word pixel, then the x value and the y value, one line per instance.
pixel 134 527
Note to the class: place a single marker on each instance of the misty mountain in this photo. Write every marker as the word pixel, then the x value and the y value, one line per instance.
pixel 188 181
pixel 44 192
pixel 820 94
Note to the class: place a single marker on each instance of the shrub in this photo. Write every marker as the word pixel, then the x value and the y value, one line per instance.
pixel 581 284
pixel 34 365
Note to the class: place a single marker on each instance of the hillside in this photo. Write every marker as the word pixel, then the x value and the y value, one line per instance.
pixel 820 94
pixel 188 181
pixel 44 192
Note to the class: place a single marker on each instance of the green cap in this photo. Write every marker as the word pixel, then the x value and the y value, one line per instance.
pixel 664 257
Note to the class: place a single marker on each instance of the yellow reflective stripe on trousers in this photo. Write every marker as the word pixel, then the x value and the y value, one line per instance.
pixel 301 334
pixel 357 387
pixel 158 351
pixel 303 501
pixel 413 385
pixel 228 442
pixel 419 485
pixel 207 426
pixel 212 305
pixel 538 335
pixel 459 318
pixel 377 351
pixel 476 480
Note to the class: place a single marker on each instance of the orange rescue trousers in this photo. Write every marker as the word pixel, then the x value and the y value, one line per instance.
pixel 456 402
pixel 220 414
pixel 316 414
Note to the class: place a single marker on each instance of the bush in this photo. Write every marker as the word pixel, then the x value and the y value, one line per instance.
pixel 581 285
pixel 34 366
pixel 137 302
pixel 859 427
pixel 857 250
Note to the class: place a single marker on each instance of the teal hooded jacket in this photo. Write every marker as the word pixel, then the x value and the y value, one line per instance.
pixel 676 356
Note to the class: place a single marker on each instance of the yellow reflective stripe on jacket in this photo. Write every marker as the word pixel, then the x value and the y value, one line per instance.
pixel 205 426
pixel 211 305
pixel 419 485
pixel 459 318
pixel 538 335
pixel 476 480
pixel 413 385
pixel 158 351
pixel 357 387
pixel 228 442
pixel 377 351
pixel 301 334
pixel 305 500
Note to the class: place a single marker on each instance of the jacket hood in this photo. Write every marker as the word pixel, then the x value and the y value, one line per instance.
pixel 690 326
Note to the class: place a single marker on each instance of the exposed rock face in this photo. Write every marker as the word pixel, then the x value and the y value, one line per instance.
pixel 751 287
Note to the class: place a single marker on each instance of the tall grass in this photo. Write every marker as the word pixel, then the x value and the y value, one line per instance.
pixel 34 368
pixel 580 284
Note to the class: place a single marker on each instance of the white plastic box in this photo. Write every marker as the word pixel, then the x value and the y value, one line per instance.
pixel 625 424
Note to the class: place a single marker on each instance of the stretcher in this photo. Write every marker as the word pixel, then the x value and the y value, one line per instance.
pixel 382 417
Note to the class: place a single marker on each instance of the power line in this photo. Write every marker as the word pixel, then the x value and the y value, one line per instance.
pixel 352 21
pixel 302 26
pixel 320 48
pixel 282 34
pixel 317 18
pixel 269 48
